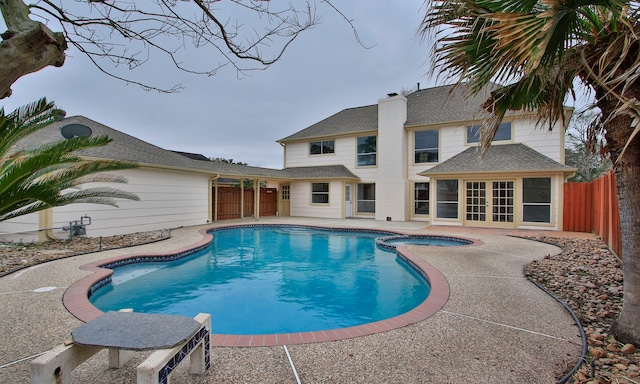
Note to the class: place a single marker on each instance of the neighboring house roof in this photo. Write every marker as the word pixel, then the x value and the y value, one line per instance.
pixel 123 147
pixel 194 156
pixel 128 148
pixel 448 103
pixel 497 159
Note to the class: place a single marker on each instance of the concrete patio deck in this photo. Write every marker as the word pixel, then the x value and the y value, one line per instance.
pixel 497 327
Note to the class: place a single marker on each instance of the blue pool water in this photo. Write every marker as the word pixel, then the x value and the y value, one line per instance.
pixel 261 280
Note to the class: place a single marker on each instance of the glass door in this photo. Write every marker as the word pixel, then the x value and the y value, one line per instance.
pixel 502 202
pixel 489 203
pixel 476 209
pixel 348 201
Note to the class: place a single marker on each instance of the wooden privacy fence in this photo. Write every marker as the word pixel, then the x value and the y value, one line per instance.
pixel 593 207
pixel 230 200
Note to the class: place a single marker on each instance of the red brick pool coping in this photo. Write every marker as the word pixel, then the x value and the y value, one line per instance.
pixel 76 300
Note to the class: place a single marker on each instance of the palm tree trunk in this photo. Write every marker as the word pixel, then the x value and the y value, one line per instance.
pixel 627 170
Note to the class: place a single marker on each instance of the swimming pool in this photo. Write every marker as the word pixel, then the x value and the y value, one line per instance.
pixel 273 279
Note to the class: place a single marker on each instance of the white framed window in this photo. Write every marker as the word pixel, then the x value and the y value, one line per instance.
pixel 502 134
pixel 319 193
pixel 321 147
pixel 367 198
pixel 421 198
pixel 536 200
pixel 426 146
pixel 447 199
pixel 366 151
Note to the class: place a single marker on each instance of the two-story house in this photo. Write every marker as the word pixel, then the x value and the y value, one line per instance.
pixel 417 158
pixel 404 158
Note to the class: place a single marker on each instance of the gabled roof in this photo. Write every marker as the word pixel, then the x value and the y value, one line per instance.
pixel 128 148
pixel 445 104
pixel 448 103
pixel 123 147
pixel 352 120
pixel 497 159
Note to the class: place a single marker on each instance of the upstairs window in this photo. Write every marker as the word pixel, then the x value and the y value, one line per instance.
pixel 502 134
pixel 366 151
pixel 321 147
pixel 426 146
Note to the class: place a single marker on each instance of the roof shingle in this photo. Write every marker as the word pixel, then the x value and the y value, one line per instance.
pixel 448 103
pixel 128 148
pixel 498 159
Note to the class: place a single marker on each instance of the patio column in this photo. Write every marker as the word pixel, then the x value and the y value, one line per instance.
pixel 242 198
pixel 256 190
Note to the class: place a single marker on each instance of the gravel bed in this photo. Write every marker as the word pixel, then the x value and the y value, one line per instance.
pixel 15 256
pixel 586 276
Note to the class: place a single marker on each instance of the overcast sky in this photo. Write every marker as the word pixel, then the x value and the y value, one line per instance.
pixel 324 71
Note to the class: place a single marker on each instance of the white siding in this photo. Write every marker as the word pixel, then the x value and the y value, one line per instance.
pixel 451 141
pixel 550 144
pixel 301 200
pixel 168 199
pixel 20 229
pixel 297 154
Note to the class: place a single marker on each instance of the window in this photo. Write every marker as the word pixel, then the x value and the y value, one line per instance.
pixel 536 200
pixel 447 199
pixel 320 193
pixel 502 134
pixel 421 199
pixel 367 198
pixel 366 151
pixel 286 192
pixel 426 146
pixel 321 147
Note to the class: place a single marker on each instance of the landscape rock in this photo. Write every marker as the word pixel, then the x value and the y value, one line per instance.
pixel 587 276
pixel 628 349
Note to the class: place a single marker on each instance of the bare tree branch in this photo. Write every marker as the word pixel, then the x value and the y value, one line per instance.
pixel 245 34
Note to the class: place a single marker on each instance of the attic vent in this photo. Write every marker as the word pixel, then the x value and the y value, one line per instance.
pixel 70 131
pixel 392 94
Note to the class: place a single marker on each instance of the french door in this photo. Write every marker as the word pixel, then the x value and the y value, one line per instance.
pixel 490 203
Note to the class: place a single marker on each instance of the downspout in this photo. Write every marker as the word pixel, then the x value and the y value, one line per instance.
pixel 284 155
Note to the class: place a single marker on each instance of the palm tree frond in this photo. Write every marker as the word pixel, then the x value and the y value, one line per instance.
pixel 32 179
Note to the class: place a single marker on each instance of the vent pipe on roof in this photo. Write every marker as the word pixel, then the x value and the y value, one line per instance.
pixel 418 86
